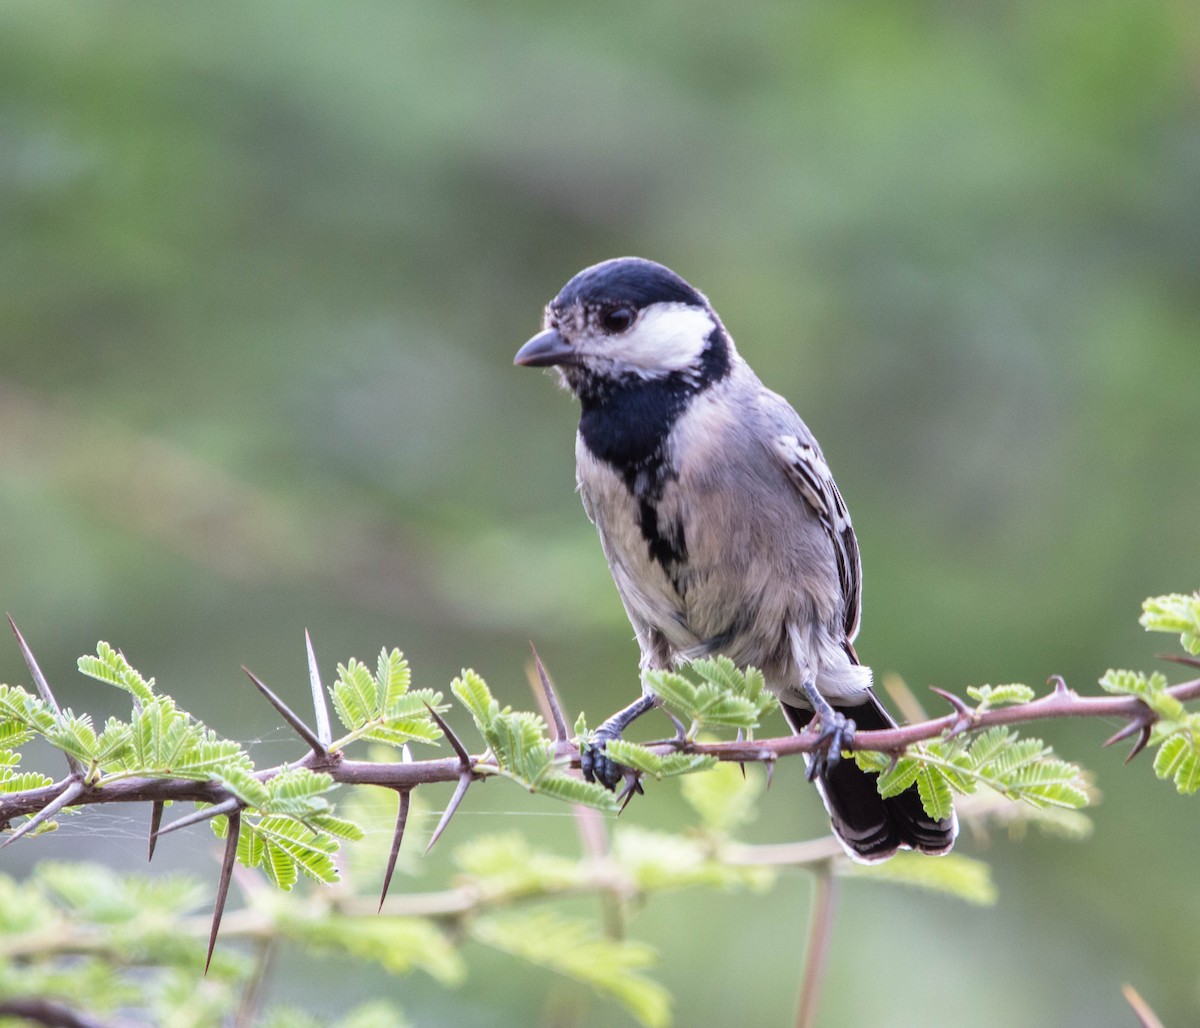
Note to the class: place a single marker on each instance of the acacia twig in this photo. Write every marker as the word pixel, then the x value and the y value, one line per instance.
pixel 1061 703
pixel 820 932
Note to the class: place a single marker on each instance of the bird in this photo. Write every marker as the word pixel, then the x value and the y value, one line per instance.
pixel 722 526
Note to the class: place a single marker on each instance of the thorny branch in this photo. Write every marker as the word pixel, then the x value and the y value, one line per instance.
pixel 83 787
pixel 1061 702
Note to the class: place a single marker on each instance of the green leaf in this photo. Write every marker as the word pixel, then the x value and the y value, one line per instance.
pixel 633 755
pixel 336 826
pixel 23 781
pixel 935 792
pixel 378 1014
pixel 987 696
pixel 110 666
pixel 74 735
pixel 25 709
pixel 397 944
pixel 724 697
pixel 1179 759
pixel 673 764
pixel 571 948
pixel 472 692
pixel 953 874
pixel 645 760
pixel 576 790
pixel 13 733
pixel 674 690
pixel 393 677
pixel 241 782
pixel 662 860
pixel 505 866
pixel 355 695
pixel 901 776
pixel 870 760
pixel 115 744
pixel 721 671
pixel 311 851
pixel 1175 612
pixel 723 797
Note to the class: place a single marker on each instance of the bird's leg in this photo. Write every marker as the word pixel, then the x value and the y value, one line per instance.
pixel 836 732
pixel 595 765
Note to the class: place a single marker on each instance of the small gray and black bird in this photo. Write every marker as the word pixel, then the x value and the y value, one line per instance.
pixel 722 526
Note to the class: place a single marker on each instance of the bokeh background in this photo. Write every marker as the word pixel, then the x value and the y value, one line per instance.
pixel 262 273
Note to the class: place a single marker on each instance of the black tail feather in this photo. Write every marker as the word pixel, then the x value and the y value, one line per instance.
pixel 870 827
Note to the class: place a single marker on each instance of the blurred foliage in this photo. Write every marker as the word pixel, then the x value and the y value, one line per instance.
pixel 82 939
pixel 286 827
pixel 262 272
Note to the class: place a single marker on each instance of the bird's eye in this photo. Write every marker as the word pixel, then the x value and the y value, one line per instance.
pixel 618 319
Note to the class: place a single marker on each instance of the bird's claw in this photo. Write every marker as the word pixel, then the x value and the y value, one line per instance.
pixel 835 734
pixel 596 764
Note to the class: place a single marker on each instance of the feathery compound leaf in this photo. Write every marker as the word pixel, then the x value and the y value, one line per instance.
pixel 1175 612
pixel 870 760
pixel 987 745
pixel 311 851
pixel 355 695
pixel 520 744
pixel 723 797
pixel 115 744
pixel 505 865
pixel 296 792
pixel 675 691
pixel 633 755
pixel 1151 690
pixel 282 847
pixel 722 710
pixel 1179 759
pixel 896 779
pixel 13 733
pixel 1021 769
pixel 954 874
pixel 987 696
pixel 110 666
pixel 74 735
pixel 397 944
pixel 202 755
pixel 643 759
pixel 241 782
pixel 22 781
pixel 27 710
pixel 339 827
pixel 935 793
pixel 393 677
pixel 724 698
pixel 674 764
pixel 721 671
pixel 1049 782
pixel 569 948
pixel 662 860
pixel 576 790
pixel 472 692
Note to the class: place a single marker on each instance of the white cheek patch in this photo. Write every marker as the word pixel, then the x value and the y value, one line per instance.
pixel 667 337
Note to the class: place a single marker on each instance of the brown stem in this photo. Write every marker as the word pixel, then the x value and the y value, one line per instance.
pixel 1060 703
pixel 820 931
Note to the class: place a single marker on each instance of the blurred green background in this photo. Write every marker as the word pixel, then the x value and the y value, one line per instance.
pixel 262 273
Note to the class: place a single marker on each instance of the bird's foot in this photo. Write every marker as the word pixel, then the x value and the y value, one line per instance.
pixel 598 766
pixel 836 733
pixel 595 762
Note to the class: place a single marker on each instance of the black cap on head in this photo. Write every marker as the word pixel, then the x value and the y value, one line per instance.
pixel 627 280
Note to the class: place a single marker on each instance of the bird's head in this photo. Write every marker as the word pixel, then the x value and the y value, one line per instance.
pixel 628 320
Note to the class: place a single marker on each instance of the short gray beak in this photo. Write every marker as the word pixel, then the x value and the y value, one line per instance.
pixel 545 350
